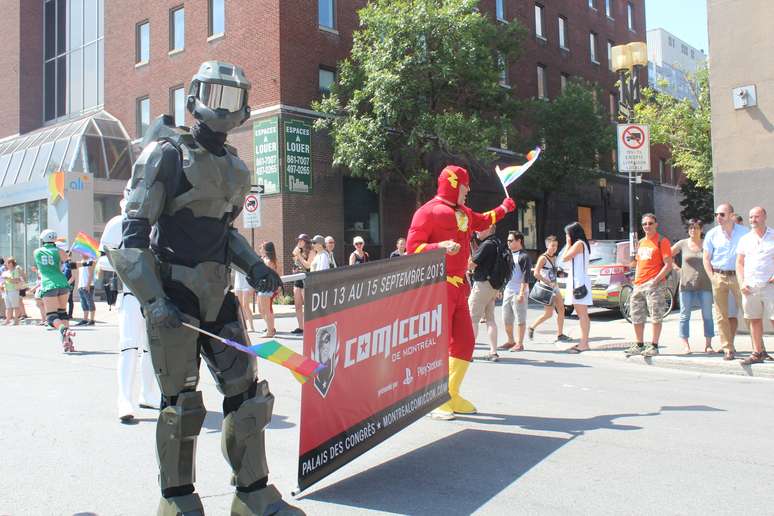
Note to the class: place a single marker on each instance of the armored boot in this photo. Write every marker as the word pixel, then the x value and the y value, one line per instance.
pixel 127 361
pixel 185 505
pixel 244 446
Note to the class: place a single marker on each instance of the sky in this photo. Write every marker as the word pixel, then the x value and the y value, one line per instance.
pixel 686 19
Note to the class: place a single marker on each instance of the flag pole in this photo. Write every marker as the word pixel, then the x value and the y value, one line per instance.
pixel 505 189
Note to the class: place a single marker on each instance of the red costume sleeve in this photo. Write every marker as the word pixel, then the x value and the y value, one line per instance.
pixel 420 232
pixel 481 221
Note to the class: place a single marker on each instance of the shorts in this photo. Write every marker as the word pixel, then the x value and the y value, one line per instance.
pixel 513 310
pixel 298 284
pixel 11 299
pixel 87 299
pixel 56 292
pixel 648 299
pixel 759 303
pixel 482 301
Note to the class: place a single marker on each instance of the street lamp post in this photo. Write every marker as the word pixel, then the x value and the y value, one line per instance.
pixel 630 58
pixel 605 194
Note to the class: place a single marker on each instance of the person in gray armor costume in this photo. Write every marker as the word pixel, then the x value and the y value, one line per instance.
pixel 187 187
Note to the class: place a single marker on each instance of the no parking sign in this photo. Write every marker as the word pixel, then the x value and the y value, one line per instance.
pixel 251 214
pixel 633 148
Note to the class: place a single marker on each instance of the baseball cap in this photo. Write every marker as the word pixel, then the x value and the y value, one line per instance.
pixel 318 239
pixel 358 240
pixel 304 237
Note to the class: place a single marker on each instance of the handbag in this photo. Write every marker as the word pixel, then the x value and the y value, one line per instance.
pixel 542 294
pixel 582 291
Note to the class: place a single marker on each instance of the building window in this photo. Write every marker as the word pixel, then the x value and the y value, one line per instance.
pixel 610 46
pixel 630 16
pixel 593 47
pixel 73 62
pixel 177 104
pixel 542 92
pixel 217 21
pixel 539 32
pixel 20 227
pixel 661 170
pixel 143 116
pixel 177 29
pixel 593 4
pixel 326 80
pixel 609 8
pixel 693 55
pixel 326 13
pixel 500 10
pixel 684 49
pixel 502 67
pixel 671 41
pixel 563 79
pixel 563 33
pixel 613 106
pixel 143 42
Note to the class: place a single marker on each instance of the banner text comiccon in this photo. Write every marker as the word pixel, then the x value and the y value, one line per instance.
pixel 350 293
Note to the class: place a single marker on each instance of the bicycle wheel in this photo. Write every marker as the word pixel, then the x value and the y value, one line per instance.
pixel 623 302
pixel 669 303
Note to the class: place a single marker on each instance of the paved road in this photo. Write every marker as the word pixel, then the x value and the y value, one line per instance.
pixel 557 434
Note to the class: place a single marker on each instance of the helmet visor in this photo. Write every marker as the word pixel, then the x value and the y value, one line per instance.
pixel 219 96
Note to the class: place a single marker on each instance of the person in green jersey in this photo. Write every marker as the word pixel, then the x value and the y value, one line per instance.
pixel 53 286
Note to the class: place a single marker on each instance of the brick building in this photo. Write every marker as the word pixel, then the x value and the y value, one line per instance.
pixel 289 50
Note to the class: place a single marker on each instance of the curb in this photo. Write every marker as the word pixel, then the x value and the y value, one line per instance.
pixel 713 365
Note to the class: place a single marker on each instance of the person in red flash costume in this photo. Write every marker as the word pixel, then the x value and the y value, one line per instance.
pixel 445 222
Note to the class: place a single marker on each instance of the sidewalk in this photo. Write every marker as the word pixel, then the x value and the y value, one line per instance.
pixel 611 334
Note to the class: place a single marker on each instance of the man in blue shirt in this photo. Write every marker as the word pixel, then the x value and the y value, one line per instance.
pixel 720 263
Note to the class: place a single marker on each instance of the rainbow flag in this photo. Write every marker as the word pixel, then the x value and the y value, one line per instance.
pixel 510 174
pixel 85 245
pixel 302 368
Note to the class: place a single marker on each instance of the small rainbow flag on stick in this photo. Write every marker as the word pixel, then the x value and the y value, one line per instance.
pixel 510 174
pixel 85 245
pixel 302 368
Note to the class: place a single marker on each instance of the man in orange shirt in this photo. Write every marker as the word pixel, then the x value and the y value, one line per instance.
pixel 654 261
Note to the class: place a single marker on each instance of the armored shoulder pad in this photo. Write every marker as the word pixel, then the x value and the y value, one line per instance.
pixel 146 188
pixel 163 128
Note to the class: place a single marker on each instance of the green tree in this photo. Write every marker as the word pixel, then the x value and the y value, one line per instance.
pixel 697 202
pixel 420 88
pixel 683 127
pixel 575 133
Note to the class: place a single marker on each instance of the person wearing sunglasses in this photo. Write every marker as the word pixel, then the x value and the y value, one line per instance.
pixel 653 263
pixel 359 255
pixel 719 260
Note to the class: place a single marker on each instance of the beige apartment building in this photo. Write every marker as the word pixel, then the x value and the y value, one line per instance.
pixel 742 86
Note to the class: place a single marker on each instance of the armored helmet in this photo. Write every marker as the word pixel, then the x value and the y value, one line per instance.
pixel 217 96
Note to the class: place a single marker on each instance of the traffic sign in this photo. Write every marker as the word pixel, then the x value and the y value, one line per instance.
pixel 251 215
pixel 633 148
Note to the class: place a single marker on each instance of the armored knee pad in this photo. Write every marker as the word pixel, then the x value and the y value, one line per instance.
pixel 242 439
pixel 63 315
pixel 51 317
pixel 176 431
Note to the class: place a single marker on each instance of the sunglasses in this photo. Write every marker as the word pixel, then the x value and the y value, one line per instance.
pixel 720 215
pixel 359 243
pixel 511 240
pixel 648 223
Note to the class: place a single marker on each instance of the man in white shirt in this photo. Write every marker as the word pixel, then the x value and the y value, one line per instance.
pixel 330 245
pixel 755 272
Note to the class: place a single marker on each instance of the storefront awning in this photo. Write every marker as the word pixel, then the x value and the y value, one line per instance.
pixel 97 145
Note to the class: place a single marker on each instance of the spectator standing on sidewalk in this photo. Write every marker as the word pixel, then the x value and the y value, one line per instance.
pixel 516 293
pixel 755 272
pixel 244 293
pixel 11 283
pixel 486 286
pixel 266 298
pixel 303 255
pixel 653 263
pixel 695 285
pixel 70 271
pixel 359 255
pixel 400 248
pixel 330 245
pixel 546 272
pixel 578 293
pixel 720 265
pixel 86 292
pixel 322 260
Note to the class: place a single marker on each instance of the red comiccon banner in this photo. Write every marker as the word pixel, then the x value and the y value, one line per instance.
pixel 382 331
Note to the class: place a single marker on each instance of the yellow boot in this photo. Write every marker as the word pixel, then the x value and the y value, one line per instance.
pixel 457 370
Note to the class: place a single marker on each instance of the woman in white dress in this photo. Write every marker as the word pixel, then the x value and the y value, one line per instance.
pixel 244 293
pixel 577 254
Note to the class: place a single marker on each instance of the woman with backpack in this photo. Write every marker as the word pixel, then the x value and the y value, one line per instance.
pixel 578 292
pixel 546 271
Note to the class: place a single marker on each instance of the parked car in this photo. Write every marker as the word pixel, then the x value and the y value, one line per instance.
pixel 609 271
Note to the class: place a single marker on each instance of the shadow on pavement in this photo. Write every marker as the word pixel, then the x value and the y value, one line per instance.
pixel 539 363
pixel 482 464
pixel 214 420
pixel 78 352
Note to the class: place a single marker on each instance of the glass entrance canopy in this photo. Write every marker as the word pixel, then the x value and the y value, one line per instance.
pixel 97 145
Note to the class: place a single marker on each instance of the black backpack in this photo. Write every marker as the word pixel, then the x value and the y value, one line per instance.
pixel 502 268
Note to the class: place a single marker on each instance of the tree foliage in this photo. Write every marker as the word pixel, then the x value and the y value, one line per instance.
pixel 697 202
pixel 683 127
pixel 421 86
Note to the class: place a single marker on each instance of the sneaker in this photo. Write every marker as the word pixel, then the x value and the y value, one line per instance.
pixel 634 349
pixel 91 323
pixel 531 333
pixel 563 338
pixel 297 331
pixel 650 350
pixel 82 322
pixel 493 357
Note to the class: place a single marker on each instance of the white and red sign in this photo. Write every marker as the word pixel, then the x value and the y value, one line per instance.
pixel 382 331
pixel 633 148
pixel 251 214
